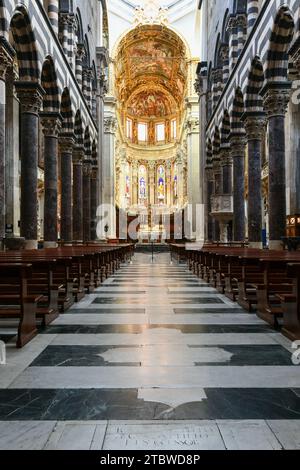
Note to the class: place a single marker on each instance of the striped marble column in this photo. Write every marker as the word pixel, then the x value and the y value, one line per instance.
pixel 255 126
pixel 53 9
pixel 238 146
pixel 80 53
pixel 64 31
pixel 78 157
pixel 94 205
pixel 217 85
pixel 51 125
pixel 276 97
pixel 66 147
pixel 252 13
pixel 233 42
pixel 241 33
pixel 30 95
pixel 71 40
pixel 225 59
pixel 87 173
pixel 6 59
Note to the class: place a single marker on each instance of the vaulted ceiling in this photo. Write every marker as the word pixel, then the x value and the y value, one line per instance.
pixel 151 72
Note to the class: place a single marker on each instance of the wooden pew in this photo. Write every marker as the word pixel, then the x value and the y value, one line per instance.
pixel 291 305
pixel 18 304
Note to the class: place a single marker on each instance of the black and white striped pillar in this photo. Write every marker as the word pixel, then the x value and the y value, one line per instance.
pixel 233 41
pixel 80 53
pixel 53 10
pixel 6 60
pixel 252 13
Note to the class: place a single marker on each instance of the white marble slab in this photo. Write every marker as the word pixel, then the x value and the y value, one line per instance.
pixel 172 398
pixel 77 436
pixel 287 432
pixel 27 435
pixel 102 319
pixel 164 377
pixel 248 435
pixel 166 355
pixel 163 336
pixel 179 436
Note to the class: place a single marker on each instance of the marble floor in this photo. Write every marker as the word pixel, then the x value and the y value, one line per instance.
pixel 153 359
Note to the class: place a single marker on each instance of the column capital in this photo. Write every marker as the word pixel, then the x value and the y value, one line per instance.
pixel 80 51
pixel 255 125
pixel 232 23
pixel 110 125
pixel 30 95
pixel 238 145
pixel 87 168
pixel 7 55
pixel 66 143
pixel 78 155
pixel 51 124
pixel 225 155
pixel 241 20
pixel 224 51
pixel 276 97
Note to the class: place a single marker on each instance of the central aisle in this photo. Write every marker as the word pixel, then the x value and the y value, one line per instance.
pixel 154 359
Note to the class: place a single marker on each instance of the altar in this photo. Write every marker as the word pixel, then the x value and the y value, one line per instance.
pixel 155 234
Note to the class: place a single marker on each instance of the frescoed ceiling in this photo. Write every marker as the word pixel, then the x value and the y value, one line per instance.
pixel 151 67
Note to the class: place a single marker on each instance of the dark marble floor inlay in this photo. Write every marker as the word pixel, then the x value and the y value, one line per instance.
pixel 138 329
pixel 108 311
pixel 91 356
pixel 199 311
pixel 123 404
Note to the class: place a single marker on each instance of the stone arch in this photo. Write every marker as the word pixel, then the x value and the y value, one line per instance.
pixel 253 100
pixel 238 108
pixel 51 100
pixel 67 113
pixel 24 42
pixel 279 44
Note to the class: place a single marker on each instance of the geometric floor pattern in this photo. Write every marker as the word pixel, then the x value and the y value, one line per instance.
pixel 154 359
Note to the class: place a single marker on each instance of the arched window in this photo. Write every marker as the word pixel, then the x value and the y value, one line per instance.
pixel 161 183
pixel 142 183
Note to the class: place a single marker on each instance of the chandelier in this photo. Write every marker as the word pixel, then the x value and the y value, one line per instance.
pixel 151 13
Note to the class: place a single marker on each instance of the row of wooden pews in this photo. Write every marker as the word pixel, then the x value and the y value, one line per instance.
pixel 36 286
pixel 263 281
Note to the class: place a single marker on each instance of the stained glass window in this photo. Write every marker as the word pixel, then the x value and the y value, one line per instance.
pixel 143 182
pixel 161 183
